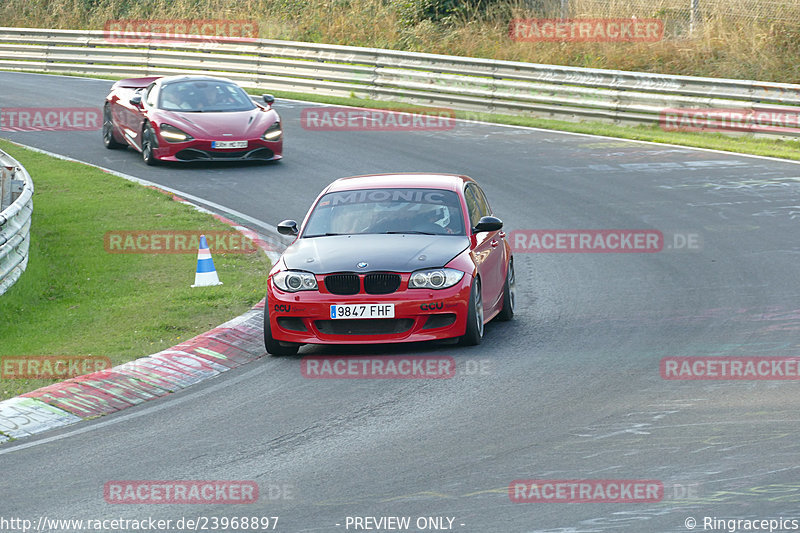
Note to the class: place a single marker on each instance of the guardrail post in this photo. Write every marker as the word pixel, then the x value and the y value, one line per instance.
pixel 147 59
pixel 16 189
pixel 493 88
pixel 5 187
pixel 374 75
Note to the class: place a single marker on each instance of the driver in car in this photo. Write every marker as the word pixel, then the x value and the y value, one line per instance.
pixel 432 220
pixel 210 97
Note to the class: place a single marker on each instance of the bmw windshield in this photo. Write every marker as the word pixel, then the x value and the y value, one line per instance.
pixel 421 211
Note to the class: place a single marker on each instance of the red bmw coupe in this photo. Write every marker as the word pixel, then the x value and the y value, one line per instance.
pixel 191 118
pixel 390 258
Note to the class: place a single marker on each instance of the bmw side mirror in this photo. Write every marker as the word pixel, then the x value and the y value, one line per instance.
pixel 488 224
pixel 136 100
pixel 288 227
pixel 268 99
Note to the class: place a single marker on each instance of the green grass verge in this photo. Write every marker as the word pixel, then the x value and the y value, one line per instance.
pixel 77 299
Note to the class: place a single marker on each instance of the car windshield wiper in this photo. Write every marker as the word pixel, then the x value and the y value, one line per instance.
pixel 328 234
pixel 411 231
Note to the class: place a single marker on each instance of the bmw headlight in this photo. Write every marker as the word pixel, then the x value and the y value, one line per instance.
pixel 295 280
pixel 434 278
pixel 172 134
pixel 274 132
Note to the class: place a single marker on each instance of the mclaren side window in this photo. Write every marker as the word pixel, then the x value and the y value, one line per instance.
pixel 151 95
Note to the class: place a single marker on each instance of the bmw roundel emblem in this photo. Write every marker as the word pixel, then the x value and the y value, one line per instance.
pixel 362 264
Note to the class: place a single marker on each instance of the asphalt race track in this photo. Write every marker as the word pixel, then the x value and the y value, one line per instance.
pixel 569 390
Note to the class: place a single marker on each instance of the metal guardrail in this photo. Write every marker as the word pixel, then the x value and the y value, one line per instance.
pixel 464 83
pixel 16 207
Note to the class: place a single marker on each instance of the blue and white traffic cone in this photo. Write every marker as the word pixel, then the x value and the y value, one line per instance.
pixel 206 275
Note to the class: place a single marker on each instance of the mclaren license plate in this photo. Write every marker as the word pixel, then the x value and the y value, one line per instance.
pixel 362 311
pixel 222 145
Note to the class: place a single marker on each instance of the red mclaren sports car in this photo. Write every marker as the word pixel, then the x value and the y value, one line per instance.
pixel 191 118
pixel 390 258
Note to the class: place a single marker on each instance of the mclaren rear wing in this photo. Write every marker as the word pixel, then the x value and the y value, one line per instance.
pixel 135 83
